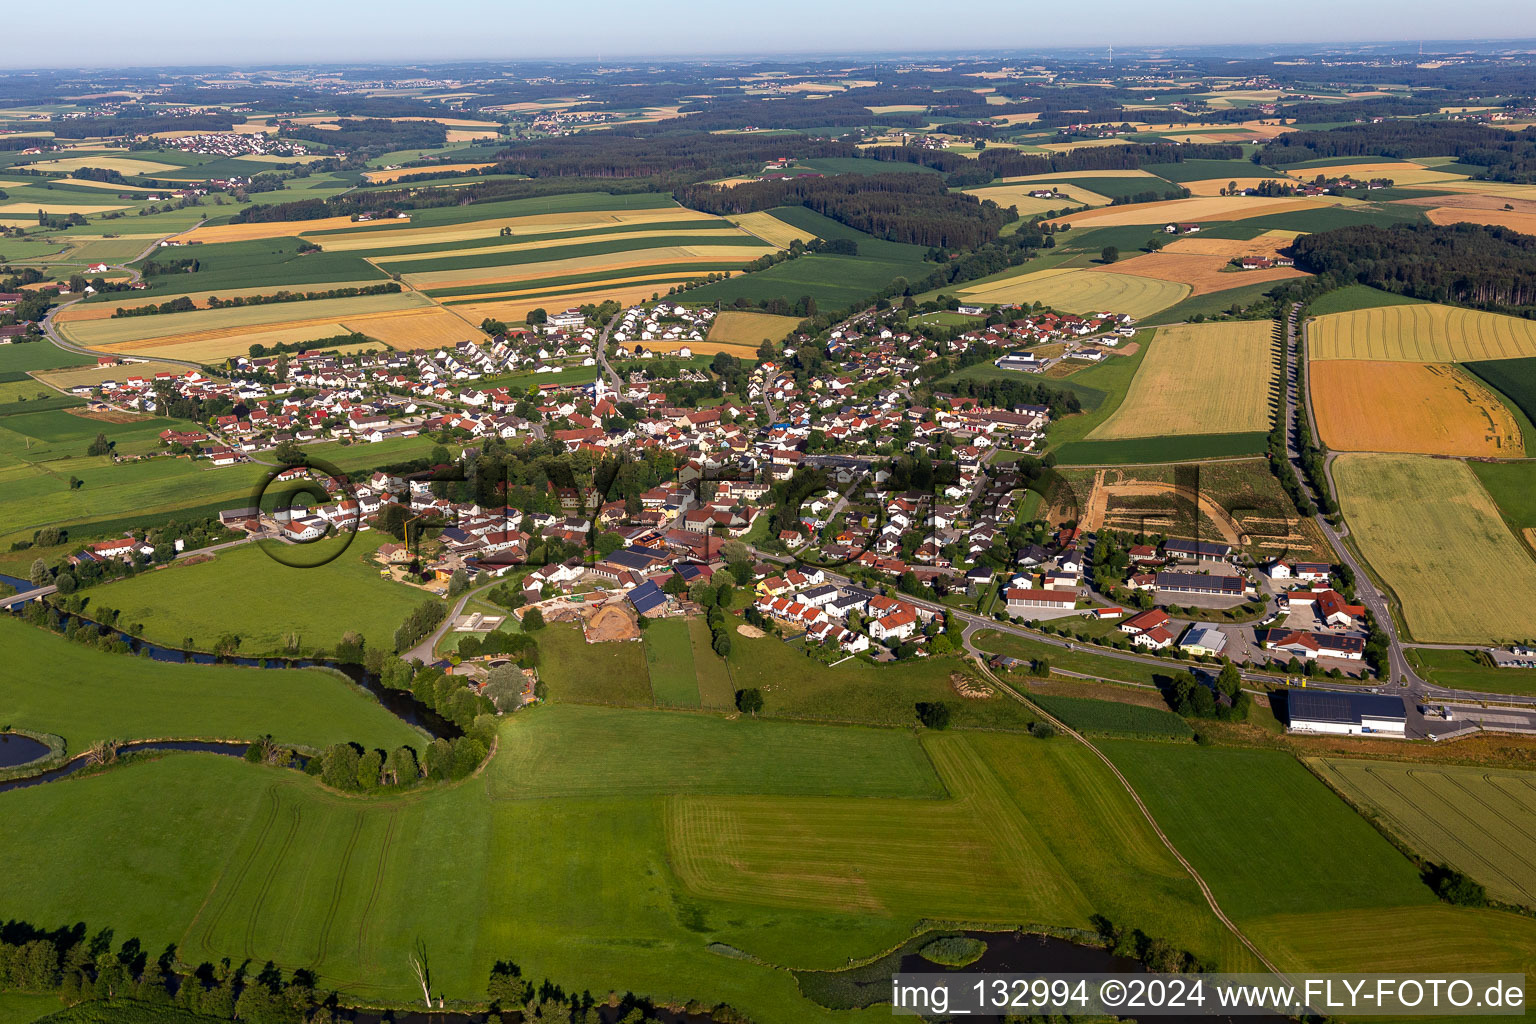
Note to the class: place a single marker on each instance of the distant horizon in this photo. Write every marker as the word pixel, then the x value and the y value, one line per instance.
pixel 286 33
pixel 1061 51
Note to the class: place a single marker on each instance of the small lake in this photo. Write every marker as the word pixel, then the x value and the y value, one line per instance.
pixel 16 750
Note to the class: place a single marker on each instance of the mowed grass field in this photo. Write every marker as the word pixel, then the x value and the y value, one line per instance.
pixel 1199 379
pixel 85 695
pixel 1431 531
pixel 1420 333
pixel 749 330
pixel 1082 291
pixel 599 891
pixel 246 592
pixel 669 659
pixel 1478 820
pixel 1424 408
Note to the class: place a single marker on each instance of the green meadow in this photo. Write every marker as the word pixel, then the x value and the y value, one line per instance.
pixel 600 891
pixel 246 592
pixel 86 695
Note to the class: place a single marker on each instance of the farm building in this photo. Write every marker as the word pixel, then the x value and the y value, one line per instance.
pixel 1200 583
pixel 1021 600
pixel 1346 714
pixel 1194 549
pixel 1206 640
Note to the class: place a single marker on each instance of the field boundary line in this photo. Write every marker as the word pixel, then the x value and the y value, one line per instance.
pixel 1205 890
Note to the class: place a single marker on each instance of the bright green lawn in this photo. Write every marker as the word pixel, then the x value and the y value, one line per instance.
pixel 86 695
pixel 669 657
pixel 572 750
pixel 1461 670
pixel 606 673
pixel 246 592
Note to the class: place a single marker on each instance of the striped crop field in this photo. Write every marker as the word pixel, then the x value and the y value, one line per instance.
pixel 770 229
pixel 1420 333
pixel 146 333
pixel 1440 566
pixel 1199 379
pixel 1082 291
pixel 1481 821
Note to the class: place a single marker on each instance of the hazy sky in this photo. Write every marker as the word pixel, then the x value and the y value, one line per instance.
pixel 94 32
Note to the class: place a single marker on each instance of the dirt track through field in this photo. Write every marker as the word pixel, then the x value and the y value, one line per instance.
pixel 1097 507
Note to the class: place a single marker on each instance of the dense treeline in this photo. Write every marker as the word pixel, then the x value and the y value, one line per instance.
pixel 371 134
pixel 1470 264
pixel 689 155
pixel 1503 155
pixel 1010 163
pixel 914 208
pixel 135 121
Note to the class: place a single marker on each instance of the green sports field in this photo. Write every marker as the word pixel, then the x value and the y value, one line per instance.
pixel 85 695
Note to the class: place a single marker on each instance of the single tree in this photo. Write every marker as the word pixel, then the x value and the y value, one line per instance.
pixel 1109 254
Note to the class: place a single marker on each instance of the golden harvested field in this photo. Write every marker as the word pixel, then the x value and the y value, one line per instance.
pixel 1420 333
pixel 532 224
pixel 1457 201
pixel 148 331
pixel 1502 189
pixel 1083 291
pixel 1196 211
pixel 11 211
pixel 1067 147
pixel 215 346
pixel 433 327
pixel 1199 379
pixel 110 186
pixel 1019 195
pixel 1435 536
pixel 1424 408
pixel 511 291
pixel 1266 244
pixel 83 311
pixel 377 177
pixel 1400 173
pixel 1525 223
pixel 278 229
pixel 707 257
pixel 77 375
pixel 748 330
pixel 770 229
pixel 121 164
pixel 1204 274
pixel 470 134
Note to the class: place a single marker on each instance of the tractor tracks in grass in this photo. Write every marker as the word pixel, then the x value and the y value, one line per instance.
pixel 205 940
pixel 1205 889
